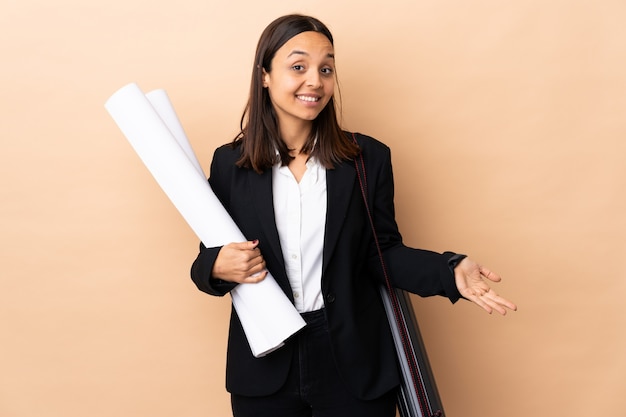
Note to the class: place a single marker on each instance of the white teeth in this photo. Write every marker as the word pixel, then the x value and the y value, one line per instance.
pixel 307 98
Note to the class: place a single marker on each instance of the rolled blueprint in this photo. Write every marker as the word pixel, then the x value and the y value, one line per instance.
pixel 164 108
pixel 267 316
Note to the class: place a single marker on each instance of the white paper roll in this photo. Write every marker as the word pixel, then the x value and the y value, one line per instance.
pixel 163 106
pixel 266 314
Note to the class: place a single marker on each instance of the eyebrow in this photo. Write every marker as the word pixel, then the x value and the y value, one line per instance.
pixel 298 52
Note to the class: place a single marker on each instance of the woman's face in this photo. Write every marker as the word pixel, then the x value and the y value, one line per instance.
pixel 302 79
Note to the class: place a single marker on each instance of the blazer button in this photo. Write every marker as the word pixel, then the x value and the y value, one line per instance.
pixel 330 298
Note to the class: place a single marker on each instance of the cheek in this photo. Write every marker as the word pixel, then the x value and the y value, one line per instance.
pixel 329 92
pixel 329 87
pixel 282 88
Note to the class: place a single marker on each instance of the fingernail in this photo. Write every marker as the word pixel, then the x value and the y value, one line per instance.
pixel 255 241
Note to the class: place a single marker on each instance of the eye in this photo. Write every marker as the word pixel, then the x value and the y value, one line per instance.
pixel 327 71
pixel 297 67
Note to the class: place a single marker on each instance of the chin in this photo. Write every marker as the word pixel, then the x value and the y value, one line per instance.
pixel 310 117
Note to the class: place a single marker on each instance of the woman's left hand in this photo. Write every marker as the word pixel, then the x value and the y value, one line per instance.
pixel 471 282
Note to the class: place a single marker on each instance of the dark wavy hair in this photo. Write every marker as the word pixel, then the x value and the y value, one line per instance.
pixel 259 136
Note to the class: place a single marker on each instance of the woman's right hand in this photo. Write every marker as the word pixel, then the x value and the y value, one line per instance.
pixel 240 262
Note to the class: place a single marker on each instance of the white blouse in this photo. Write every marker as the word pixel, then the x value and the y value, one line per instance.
pixel 300 212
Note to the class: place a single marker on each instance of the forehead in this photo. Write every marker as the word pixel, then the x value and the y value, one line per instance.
pixel 307 43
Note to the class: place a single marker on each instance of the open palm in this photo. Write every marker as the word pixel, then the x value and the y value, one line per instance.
pixel 472 282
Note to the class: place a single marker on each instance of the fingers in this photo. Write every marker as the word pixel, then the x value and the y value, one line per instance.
pixel 505 303
pixel 493 300
pixel 478 300
pixel 255 278
pixel 489 274
pixel 250 267
pixel 490 301
pixel 240 262
pixel 247 245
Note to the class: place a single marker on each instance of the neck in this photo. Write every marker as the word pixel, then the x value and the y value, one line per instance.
pixel 295 136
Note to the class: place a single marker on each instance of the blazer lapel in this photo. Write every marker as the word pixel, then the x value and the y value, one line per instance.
pixel 340 183
pixel 261 190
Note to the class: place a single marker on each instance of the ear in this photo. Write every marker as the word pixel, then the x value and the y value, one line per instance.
pixel 266 78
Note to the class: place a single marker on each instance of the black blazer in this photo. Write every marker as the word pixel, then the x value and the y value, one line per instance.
pixel 351 274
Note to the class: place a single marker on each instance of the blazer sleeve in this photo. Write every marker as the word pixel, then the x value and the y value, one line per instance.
pixel 418 271
pixel 202 267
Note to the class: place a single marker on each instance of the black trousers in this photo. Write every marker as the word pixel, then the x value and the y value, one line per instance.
pixel 313 388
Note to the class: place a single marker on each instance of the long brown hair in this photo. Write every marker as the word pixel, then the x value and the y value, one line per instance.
pixel 259 137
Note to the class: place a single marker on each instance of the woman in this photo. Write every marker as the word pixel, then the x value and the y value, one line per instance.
pixel 289 182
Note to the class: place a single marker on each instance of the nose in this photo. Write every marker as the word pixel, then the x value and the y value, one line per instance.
pixel 314 79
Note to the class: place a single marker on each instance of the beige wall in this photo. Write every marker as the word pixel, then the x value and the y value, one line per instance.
pixel 507 124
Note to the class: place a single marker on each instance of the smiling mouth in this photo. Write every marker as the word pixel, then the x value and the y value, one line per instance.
pixel 308 98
